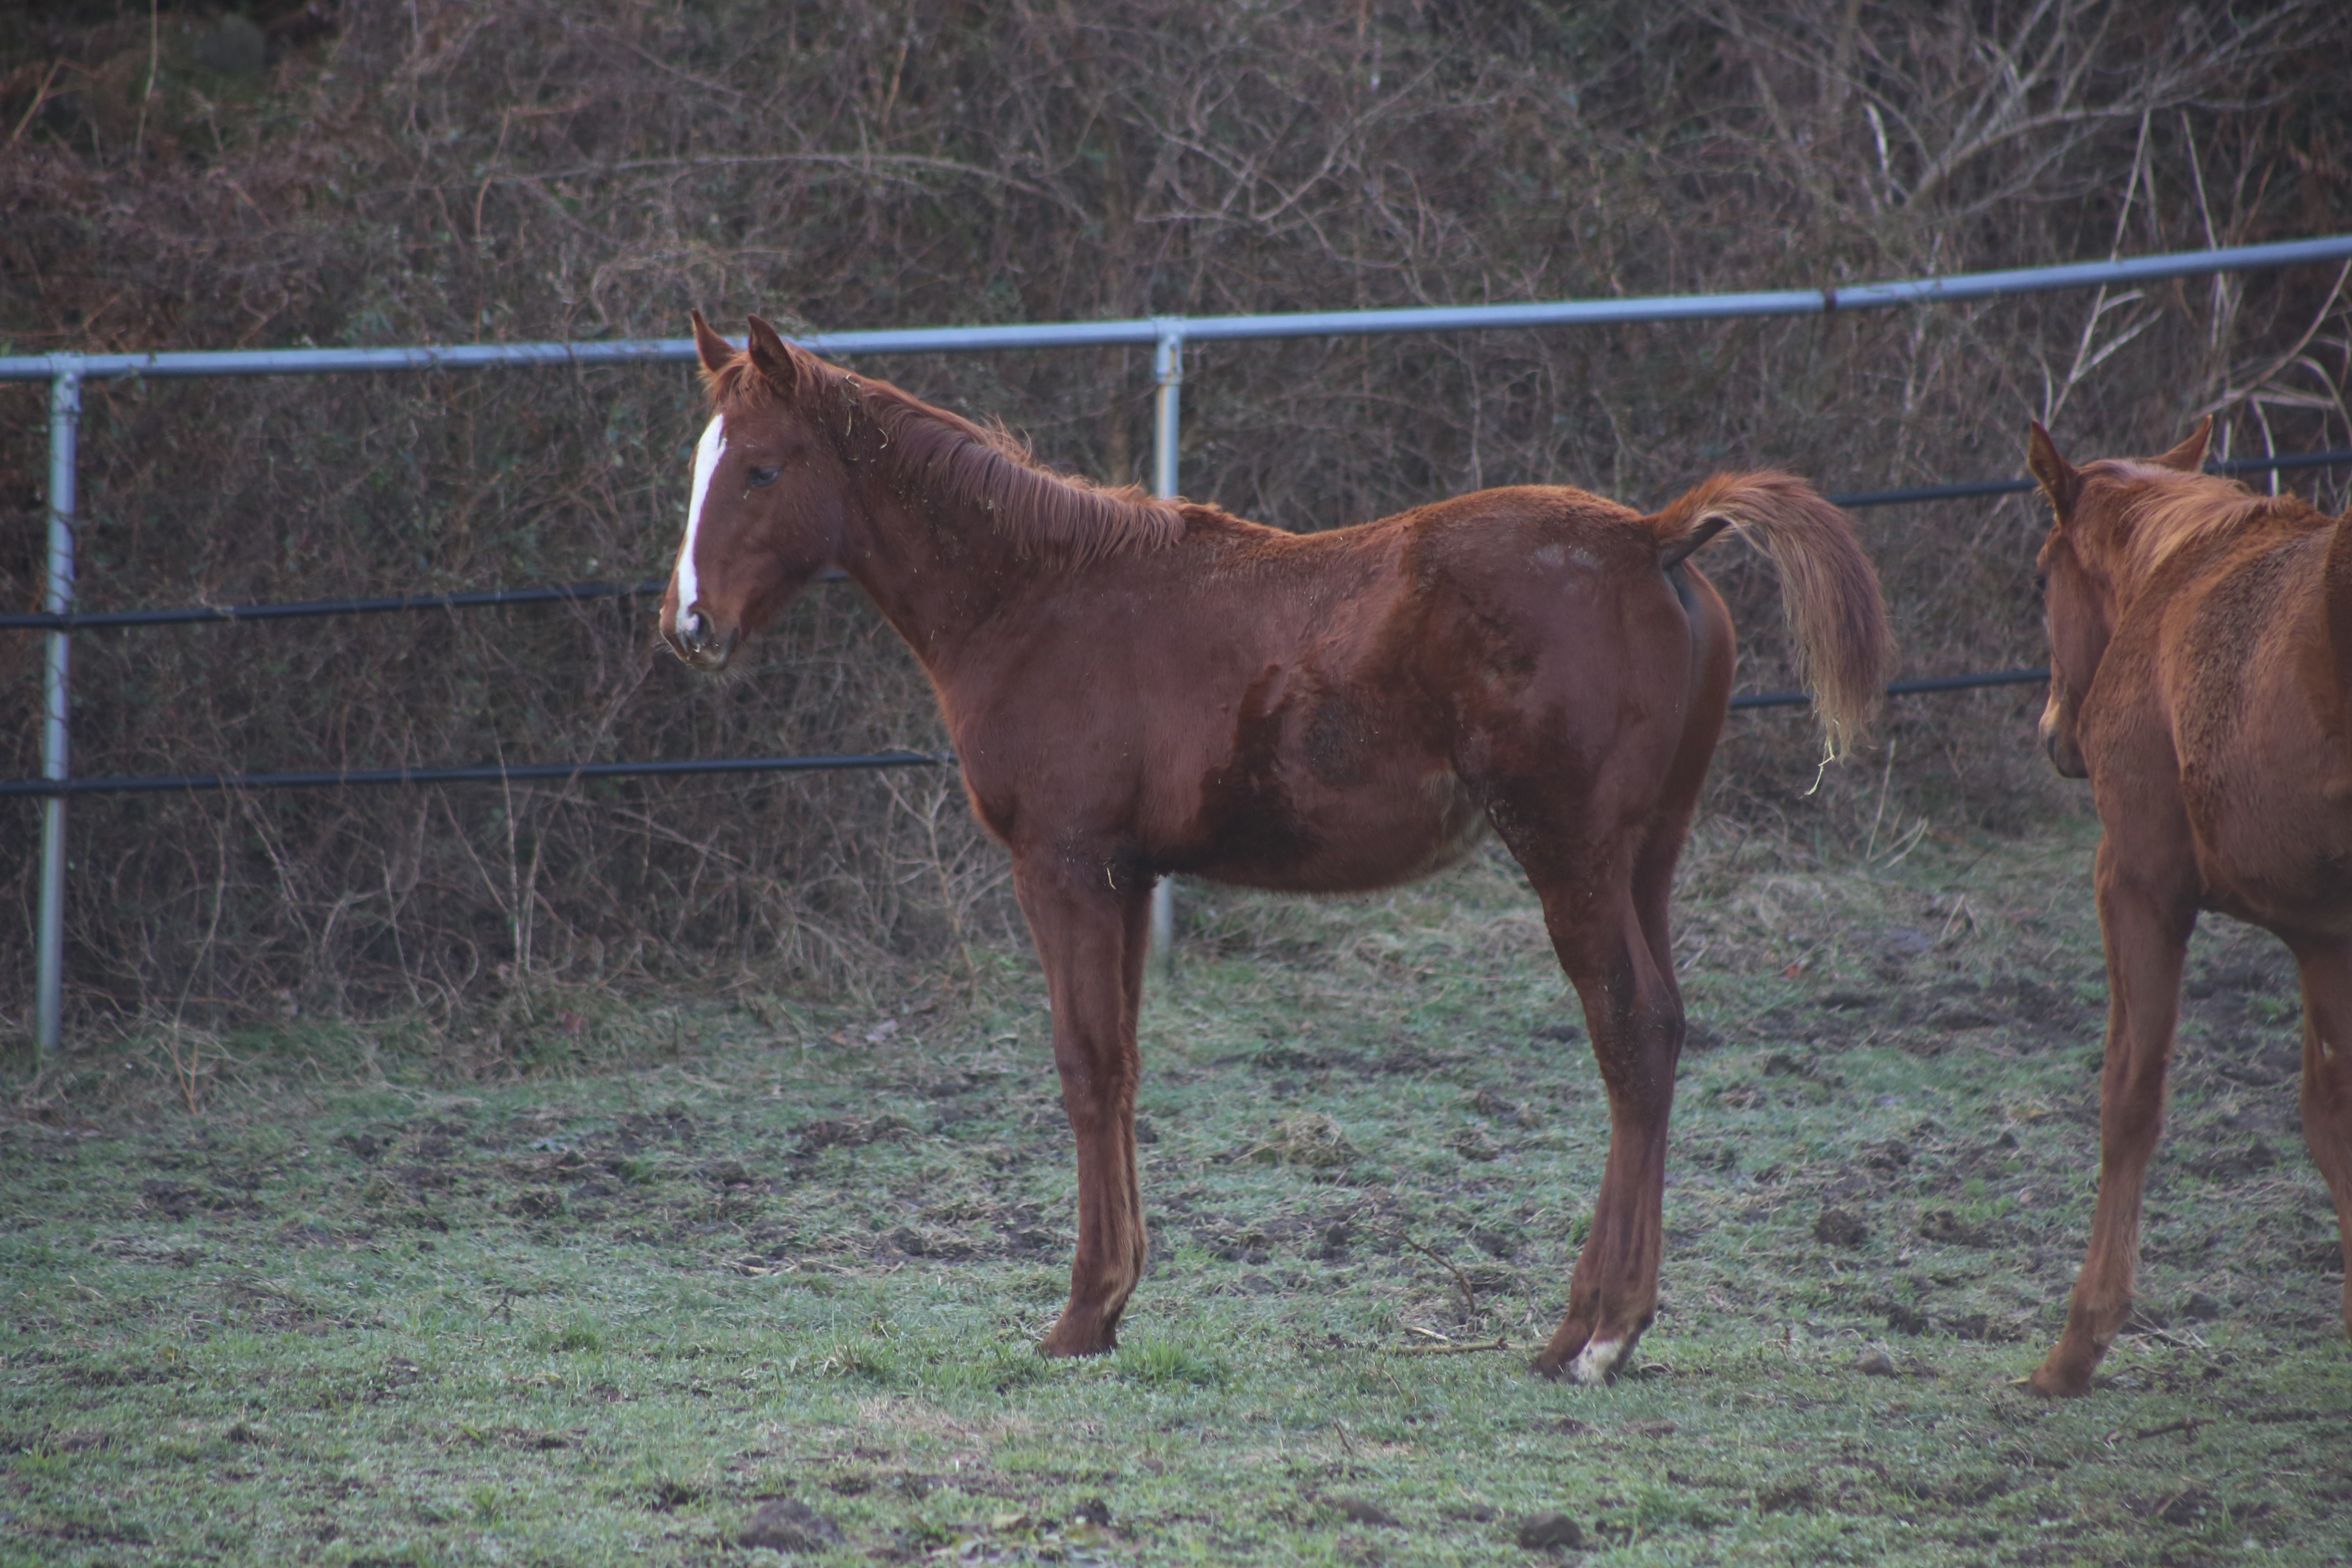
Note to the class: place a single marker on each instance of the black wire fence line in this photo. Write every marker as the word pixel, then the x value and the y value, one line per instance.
pixel 567 771
pixel 488 772
pixel 100 620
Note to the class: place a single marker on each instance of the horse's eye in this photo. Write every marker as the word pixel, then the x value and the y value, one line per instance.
pixel 761 479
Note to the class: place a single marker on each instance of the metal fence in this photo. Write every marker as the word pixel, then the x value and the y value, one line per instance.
pixel 65 373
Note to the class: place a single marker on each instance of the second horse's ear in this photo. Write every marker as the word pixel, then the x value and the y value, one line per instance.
pixel 716 351
pixel 2190 456
pixel 2060 480
pixel 773 356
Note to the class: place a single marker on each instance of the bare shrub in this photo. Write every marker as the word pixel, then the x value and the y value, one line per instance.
pixel 525 169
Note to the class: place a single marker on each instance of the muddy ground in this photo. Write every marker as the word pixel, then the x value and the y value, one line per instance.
pixel 768 1269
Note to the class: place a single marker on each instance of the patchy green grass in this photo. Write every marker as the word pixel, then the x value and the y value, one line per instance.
pixel 345 1315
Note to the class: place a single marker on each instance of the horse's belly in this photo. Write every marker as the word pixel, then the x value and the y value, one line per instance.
pixel 2265 881
pixel 2274 843
pixel 1313 838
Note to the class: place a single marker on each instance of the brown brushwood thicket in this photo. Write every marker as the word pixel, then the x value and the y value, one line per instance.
pixel 183 175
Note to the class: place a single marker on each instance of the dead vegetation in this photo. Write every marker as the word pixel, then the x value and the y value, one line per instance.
pixel 184 176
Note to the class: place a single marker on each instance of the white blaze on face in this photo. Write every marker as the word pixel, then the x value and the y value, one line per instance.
pixel 707 453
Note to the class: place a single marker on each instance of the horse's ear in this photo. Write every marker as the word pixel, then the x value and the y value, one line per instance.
pixel 716 351
pixel 773 356
pixel 2190 456
pixel 2060 480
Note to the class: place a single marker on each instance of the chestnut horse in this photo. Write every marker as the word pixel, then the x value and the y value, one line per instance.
pixel 1139 687
pixel 2200 677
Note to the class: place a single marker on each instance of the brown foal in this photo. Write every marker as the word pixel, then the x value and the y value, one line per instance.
pixel 1137 687
pixel 2200 677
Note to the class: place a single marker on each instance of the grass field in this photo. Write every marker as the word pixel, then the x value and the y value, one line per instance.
pixel 355 1309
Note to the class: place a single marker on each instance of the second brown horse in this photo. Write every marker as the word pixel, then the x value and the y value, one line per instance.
pixel 2200 677
pixel 1137 687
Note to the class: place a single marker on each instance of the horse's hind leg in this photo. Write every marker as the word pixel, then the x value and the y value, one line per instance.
pixel 1635 1015
pixel 2326 969
pixel 2144 920
pixel 1091 934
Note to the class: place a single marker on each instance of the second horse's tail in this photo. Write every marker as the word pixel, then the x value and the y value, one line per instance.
pixel 1828 588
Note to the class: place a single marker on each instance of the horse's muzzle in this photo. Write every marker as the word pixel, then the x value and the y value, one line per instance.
pixel 2065 755
pixel 696 639
pixel 2058 743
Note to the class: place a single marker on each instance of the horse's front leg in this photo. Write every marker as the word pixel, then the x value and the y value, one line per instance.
pixel 2326 969
pixel 2145 918
pixel 1090 924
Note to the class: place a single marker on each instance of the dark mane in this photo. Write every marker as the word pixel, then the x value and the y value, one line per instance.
pixel 952 461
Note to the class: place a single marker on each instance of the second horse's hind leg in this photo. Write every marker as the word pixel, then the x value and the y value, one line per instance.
pixel 2327 967
pixel 1635 1015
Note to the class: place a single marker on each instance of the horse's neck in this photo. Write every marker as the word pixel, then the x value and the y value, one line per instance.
pixel 935 568
pixel 2177 542
pixel 2128 572
pixel 2133 564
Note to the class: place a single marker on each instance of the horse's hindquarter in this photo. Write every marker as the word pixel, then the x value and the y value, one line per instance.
pixel 1576 669
pixel 2257 758
pixel 1531 654
pixel 1527 651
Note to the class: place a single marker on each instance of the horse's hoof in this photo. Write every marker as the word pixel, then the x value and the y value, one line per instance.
pixel 1595 1359
pixel 1053 1351
pixel 1598 1360
pixel 1067 1340
pixel 2059 1383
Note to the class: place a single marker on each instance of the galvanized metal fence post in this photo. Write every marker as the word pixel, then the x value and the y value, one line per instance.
pixel 65 421
pixel 1168 370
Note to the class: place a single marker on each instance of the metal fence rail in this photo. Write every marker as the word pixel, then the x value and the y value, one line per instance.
pixel 1165 330
pixel 65 373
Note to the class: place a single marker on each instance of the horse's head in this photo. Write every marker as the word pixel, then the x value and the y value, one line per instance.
pixel 2090 510
pixel 770 497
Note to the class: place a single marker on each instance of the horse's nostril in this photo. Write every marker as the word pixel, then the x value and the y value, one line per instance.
pixel 698 639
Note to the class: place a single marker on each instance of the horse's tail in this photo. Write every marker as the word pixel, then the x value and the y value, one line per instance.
pixel 1828 588
pixel 2337 596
